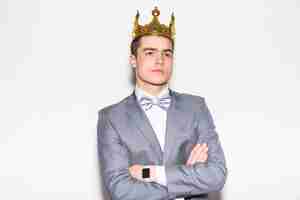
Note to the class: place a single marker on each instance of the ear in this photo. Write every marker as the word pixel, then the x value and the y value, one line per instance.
pixel 132 61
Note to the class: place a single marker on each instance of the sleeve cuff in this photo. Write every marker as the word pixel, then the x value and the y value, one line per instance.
pixel 161 177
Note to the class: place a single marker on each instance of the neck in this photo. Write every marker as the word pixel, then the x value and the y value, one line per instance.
pixel 153 90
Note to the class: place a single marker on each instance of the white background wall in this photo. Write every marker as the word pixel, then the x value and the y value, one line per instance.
pixel 62 60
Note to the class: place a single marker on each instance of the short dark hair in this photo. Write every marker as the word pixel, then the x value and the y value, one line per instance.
pixel 135 44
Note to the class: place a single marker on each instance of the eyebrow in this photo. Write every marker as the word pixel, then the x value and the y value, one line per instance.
pixel 155 49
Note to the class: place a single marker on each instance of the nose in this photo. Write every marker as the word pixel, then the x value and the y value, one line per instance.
pixel 160 58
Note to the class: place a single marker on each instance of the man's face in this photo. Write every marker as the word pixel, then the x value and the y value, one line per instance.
pixel 154 61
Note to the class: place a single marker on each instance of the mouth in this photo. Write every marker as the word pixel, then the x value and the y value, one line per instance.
pixel 156 70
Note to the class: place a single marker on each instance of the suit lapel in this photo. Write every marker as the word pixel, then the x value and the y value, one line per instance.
pixel 139 118
pixel 176 120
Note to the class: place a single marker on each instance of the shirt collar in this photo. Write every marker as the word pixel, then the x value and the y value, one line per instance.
pixel 139 92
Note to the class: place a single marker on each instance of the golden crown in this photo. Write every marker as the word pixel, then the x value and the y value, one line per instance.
pixel 154 27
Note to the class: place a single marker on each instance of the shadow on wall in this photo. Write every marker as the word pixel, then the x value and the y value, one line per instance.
pixel 215 196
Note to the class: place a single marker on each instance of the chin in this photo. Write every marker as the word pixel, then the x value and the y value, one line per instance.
pixel 159 82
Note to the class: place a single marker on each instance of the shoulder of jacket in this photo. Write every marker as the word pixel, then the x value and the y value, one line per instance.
pixel 114 108
pixel 189 97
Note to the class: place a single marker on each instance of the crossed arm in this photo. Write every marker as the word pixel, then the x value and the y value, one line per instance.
pixel 115 163
pixel 198 155
pixel 204 171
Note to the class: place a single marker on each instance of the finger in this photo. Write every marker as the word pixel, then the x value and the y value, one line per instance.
pixel 191 154
pixel 203 158
pixel 200 155
pixel 198 158
pixel 195 154
pixel 194 150
pixel 204 149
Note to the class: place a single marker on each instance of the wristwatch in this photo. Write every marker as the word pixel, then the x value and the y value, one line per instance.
pixel 146 172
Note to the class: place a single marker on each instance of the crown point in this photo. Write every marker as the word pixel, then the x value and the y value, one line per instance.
pixel 155 12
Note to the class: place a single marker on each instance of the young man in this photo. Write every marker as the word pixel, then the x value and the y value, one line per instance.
pixel 158 144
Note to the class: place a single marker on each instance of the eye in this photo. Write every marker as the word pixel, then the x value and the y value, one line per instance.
pixel 149 53
pixel 168 54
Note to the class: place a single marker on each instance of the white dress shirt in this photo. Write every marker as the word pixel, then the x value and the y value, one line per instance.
pixel 158 120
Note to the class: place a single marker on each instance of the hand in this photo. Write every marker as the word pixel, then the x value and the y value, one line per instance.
pixel 198 154
pixel 136 172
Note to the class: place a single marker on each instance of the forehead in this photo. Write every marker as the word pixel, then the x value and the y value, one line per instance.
pixel 157 42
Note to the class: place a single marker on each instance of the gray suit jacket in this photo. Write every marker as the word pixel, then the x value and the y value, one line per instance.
pixel 125 137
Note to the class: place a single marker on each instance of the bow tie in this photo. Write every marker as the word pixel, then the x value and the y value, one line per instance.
pixel 163 102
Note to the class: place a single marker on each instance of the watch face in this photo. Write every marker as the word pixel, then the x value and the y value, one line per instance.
pixel 146 173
